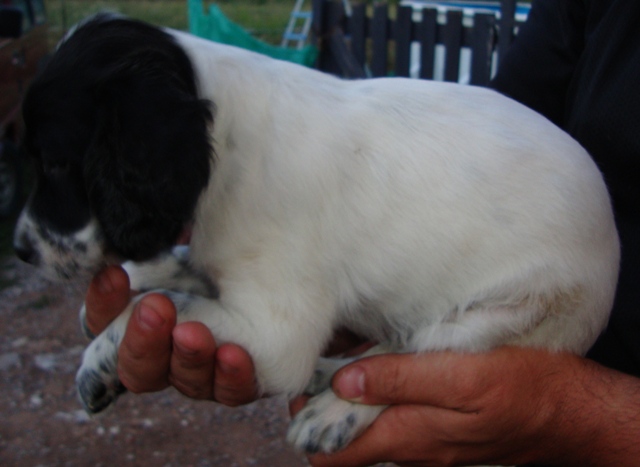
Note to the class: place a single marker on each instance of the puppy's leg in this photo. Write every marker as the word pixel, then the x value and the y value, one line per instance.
pixel 267 335
pixel 170 271
pixel 97 379
pixel 327 423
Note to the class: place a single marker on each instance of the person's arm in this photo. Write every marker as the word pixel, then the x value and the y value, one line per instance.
pixel 155 353
pixel 509 406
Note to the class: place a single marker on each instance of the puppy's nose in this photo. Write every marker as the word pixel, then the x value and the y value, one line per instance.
pixel 24 250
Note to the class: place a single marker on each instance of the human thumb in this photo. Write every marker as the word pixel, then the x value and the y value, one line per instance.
pixel 384 379
pixel 428 378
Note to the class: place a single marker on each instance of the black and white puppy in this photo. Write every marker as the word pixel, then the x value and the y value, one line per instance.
pixel 420 215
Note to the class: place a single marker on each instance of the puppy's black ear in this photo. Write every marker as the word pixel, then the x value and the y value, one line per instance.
pixel 150 155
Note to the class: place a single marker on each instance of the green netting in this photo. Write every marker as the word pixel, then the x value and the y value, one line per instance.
pixel 217 27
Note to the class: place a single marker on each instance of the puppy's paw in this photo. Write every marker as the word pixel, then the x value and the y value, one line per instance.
pixel 323 374
pixel 328 424
pixel 97 379
pixel 83 323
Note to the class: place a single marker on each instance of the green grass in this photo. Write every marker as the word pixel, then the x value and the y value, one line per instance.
pixel 265 19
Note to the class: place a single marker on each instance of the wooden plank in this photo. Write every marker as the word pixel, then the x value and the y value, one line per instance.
pixel 427 35
pixel 348 65
pixel 317 18
pixel 506 25
pixel 319 28
pixel 334 15
pixel 379 38
pixel 358 32
pixel 369 39
pixel 452 40
pixel 482 48
pixel 403 32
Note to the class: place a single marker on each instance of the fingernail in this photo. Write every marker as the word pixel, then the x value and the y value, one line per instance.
pixel 105 285
pixel 149 318
pixel 350 383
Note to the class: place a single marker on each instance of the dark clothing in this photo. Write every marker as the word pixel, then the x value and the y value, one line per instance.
pixel 578 63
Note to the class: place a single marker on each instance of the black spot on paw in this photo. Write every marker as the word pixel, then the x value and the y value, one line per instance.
pixel 120 388
pixel 307 415
pixel 112 335
pixel 350 420
pixel 85 329
pixel 312 446
pixel 96 395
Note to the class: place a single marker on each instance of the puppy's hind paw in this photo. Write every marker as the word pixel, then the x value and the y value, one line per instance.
pixel 328 424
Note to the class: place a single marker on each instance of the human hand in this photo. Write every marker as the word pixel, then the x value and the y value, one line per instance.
pixel 504 407
pixel 156 353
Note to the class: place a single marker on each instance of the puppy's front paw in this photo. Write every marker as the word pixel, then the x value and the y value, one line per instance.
pixel 328 424
pixel 97 379
pixel 84 325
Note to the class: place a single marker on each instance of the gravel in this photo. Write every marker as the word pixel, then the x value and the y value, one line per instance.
pixel 42 421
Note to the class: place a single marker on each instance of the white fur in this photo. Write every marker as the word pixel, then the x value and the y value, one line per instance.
pixel 450 211
pixel 63 256
pixel 421 214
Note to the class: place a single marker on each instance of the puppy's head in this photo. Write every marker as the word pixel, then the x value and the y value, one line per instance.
pixel 121 147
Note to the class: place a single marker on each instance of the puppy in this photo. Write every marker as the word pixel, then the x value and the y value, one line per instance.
pixel 420 215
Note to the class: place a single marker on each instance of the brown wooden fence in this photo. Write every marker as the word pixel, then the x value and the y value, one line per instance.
pixel 361 45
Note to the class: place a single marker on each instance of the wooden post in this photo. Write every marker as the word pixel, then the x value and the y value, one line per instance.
pixel 379 38
pixel 452 42
pixel 334 58
pixel 428 34
pixel 358 33
pixel 403 30
pixel 482 48
pixel 506 26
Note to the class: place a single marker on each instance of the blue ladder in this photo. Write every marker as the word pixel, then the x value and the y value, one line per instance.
pixel 298 28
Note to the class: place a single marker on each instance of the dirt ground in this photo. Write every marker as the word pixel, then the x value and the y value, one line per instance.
pixel 43 424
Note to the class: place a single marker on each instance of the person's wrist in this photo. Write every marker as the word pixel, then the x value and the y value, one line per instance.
pixel 571 431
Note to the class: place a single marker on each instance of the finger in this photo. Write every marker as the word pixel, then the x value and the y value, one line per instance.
pixel 235 380
pixel 297 404
pixel 193 360
pixel 404 379
pixel 145 352
pixel 107 297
